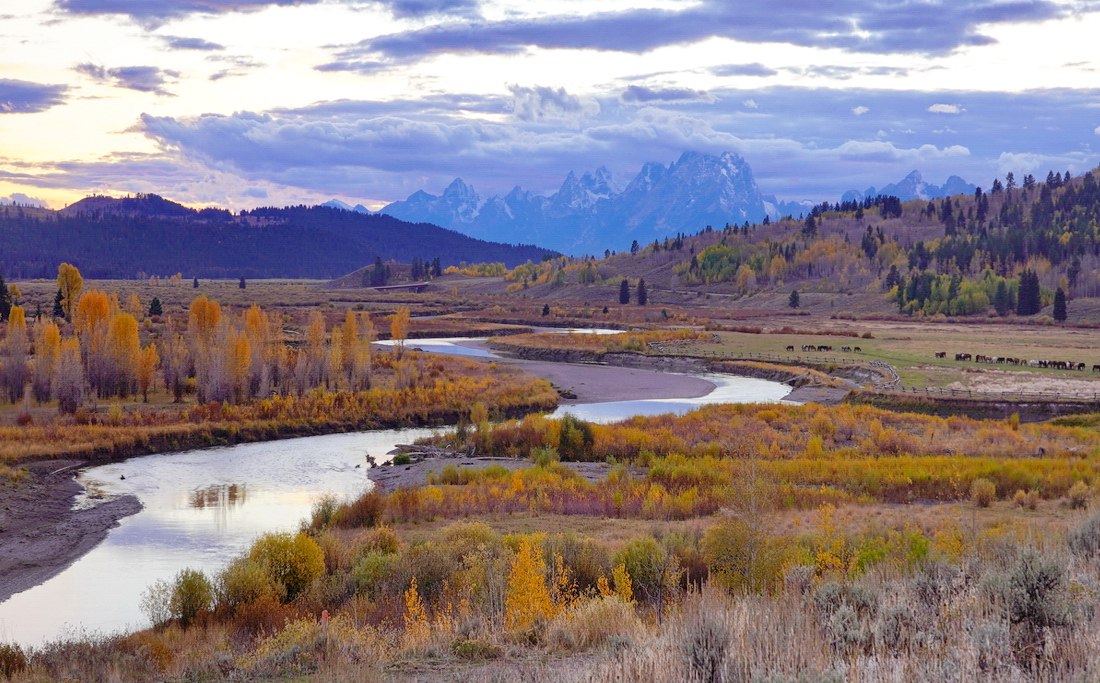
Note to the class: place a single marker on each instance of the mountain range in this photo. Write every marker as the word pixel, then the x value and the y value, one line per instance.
pixel 913 187
pixel 110 237
pixel 592 212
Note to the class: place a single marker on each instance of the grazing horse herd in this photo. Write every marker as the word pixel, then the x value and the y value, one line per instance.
pixel 826 347
pixel 1006 360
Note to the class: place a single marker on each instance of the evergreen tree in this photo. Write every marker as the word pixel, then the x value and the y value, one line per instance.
pixel 195 283
pixel 893 278
pixel 1060 305
pixel 634 247
pixel 58 305
pixel 241 284
pixel 546 309
pixel 5 300
pixel 643 296
pixel 1002 303
pixel 793 300
pixel 437 267
pixel 155 307
pixel 624 292
pixel 1029 300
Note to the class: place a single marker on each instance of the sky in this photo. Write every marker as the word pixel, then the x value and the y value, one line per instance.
pixel 244 103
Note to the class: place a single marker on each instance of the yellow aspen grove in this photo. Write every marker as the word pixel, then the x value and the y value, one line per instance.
pixel 203 318
pixel 349 346
pixel 399 328
pixel 240 365
pixel 315 351
pixel 47 352
pixel 362 369
pixel 68 379
pixel 176 364
pixel 527 599
pixel 123 348
pixel 133 307
pixel 334 361
pixel 261 330
pixel 90 320
pixel 70 283
pixel 15 294
pixel 148 360
pixel 14 367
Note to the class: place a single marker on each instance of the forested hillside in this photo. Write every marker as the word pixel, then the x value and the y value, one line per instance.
pixel 1006 250
pixel 123 238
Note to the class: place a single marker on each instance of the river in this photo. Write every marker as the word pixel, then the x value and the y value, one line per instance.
pixel 204 507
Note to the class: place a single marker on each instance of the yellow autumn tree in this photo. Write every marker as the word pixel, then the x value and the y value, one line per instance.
pixel 123 348
pixel 133 307
pixel 399 328
pixel 13 368
pixel 69 282
pixel 527 599
pixel 47 351
pixel 68 379
pixel 240 365
pixel 147 364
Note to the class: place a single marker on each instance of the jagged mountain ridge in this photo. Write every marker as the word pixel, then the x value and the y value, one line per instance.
pixel 913 186
pixel 591 213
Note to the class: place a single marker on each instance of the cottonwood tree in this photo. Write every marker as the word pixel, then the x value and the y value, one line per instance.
pixel 68 380
pixel 14 370
pixel 399 328
pixel 176 364
pixel 148 360
pixel 123 349
pixel 69 284
pixel 91 320
pixel 47 353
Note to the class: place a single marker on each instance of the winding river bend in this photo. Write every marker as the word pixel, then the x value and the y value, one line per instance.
pixel 203 507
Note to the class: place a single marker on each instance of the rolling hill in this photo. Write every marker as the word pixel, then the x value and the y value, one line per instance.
pixel 126 237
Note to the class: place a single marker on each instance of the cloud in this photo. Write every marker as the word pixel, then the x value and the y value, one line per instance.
pixel 860 110
pixel 1096 130
pixel 179 43
pixel 750 104
pixel 542 103
pixel 804 144
pixel 946 109
pixel 403 9
pixel 639 94
pixel 22 200
pixel 23 97
pixel 754 69
pixel 864 26
pixel 141 78
pixel 152 13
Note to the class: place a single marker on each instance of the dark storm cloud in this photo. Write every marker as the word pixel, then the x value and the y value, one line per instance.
pixel 932 28
pixel 24 97
pixel 141 78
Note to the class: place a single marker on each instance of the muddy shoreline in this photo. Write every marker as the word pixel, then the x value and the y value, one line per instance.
pixel 40 533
